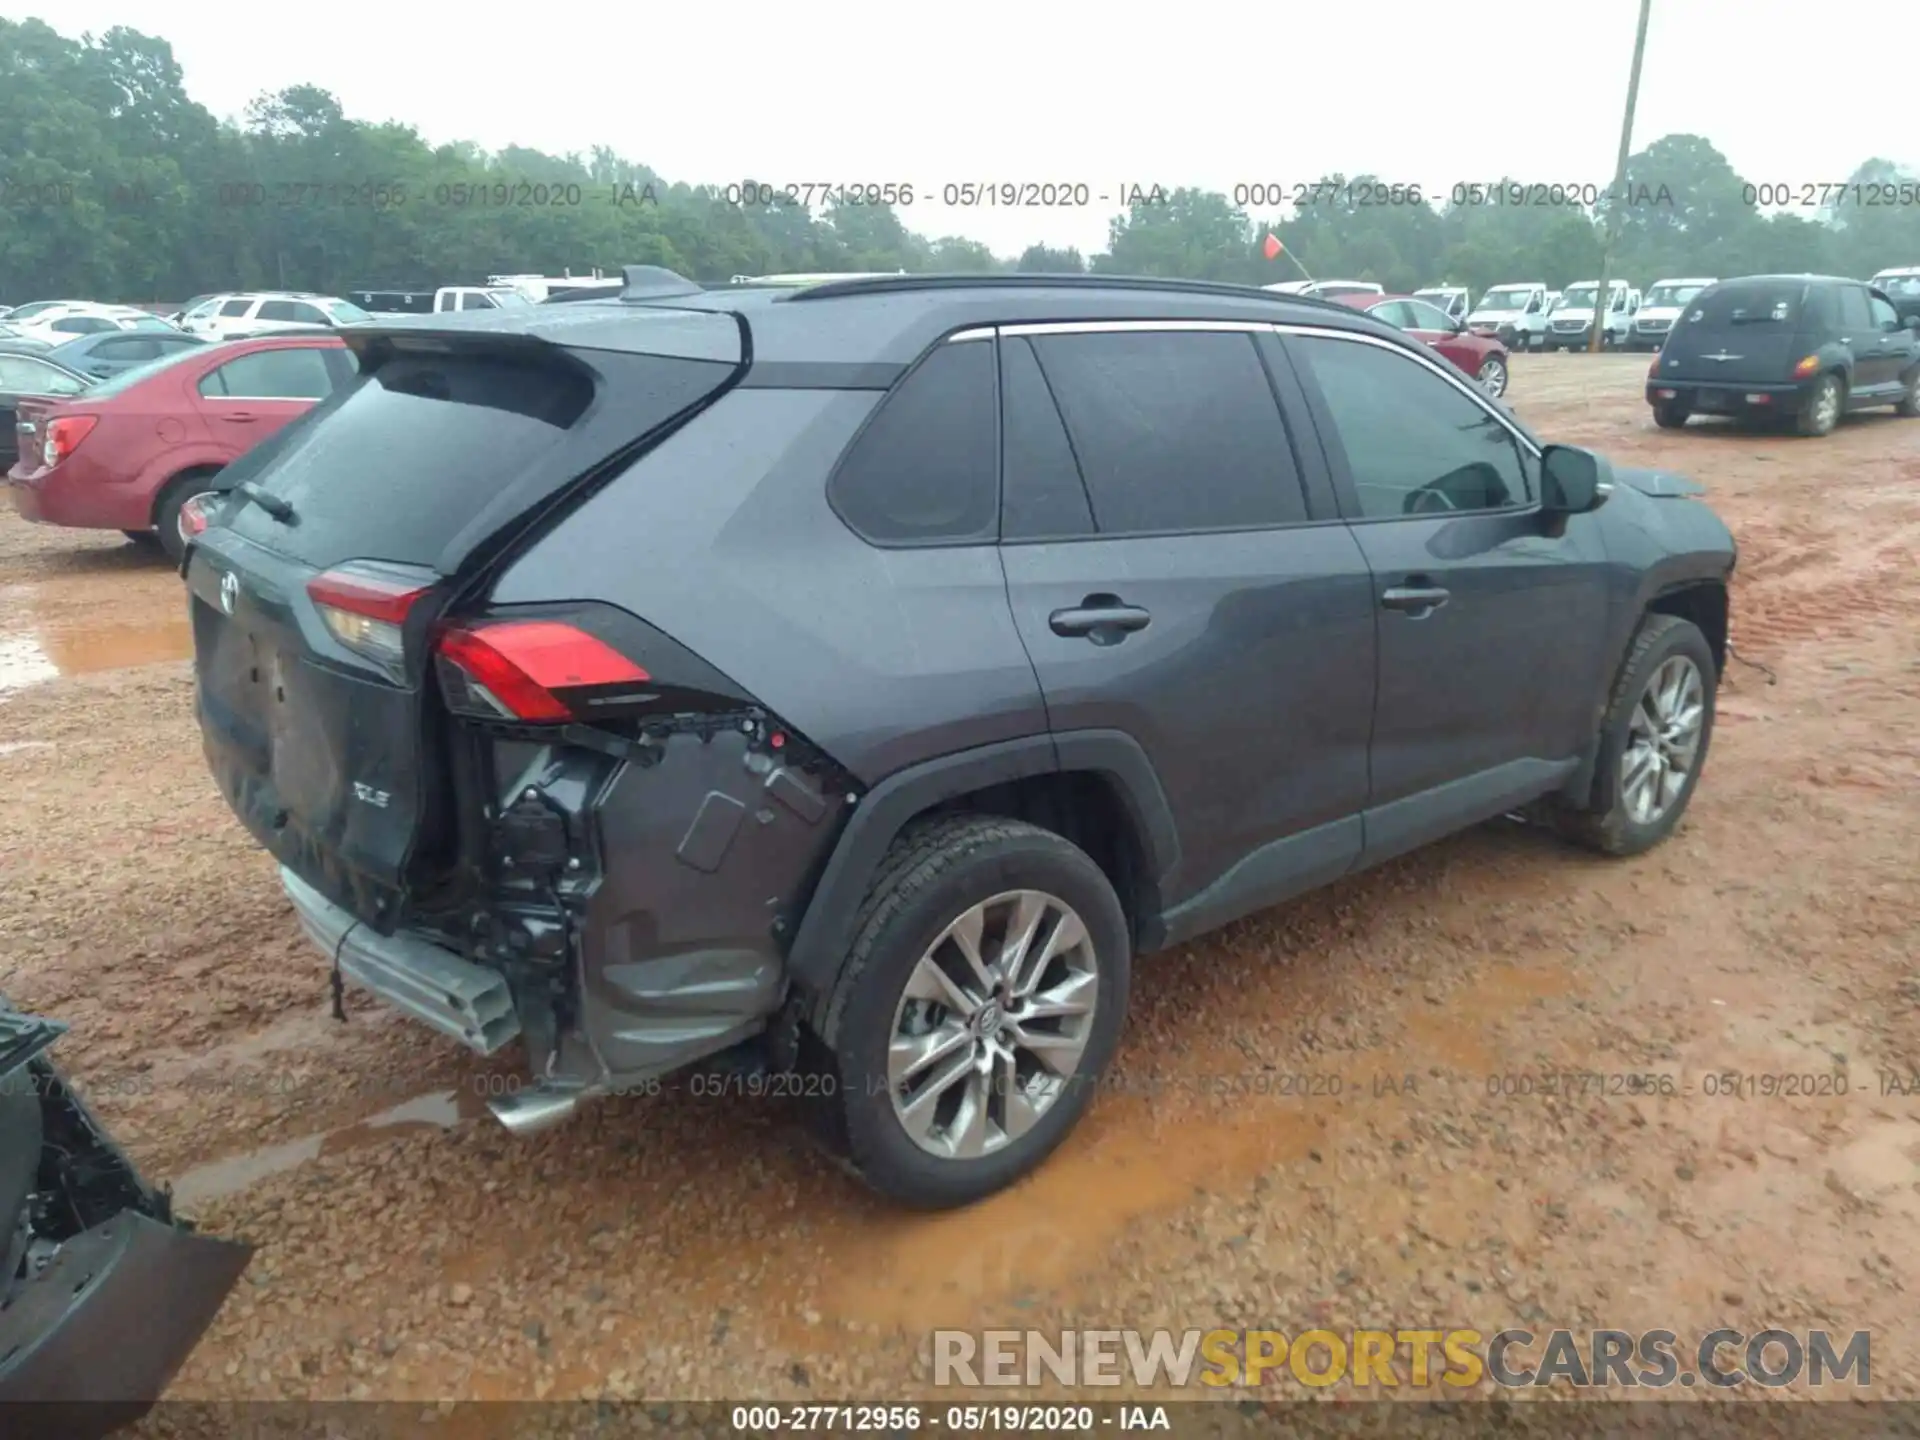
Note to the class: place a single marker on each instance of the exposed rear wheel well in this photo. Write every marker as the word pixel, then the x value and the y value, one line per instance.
pixel 1705 606
pixel 168 490
pixel 1082 806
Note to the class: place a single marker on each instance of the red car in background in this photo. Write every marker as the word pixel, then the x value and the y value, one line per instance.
pixel 127 453
pixel 1482 357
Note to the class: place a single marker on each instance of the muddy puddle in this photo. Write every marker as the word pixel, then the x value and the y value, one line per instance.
pixel 217 1179
pixel 35 656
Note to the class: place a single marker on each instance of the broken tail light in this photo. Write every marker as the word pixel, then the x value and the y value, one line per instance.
pixel 64 436
pixel 364 604
pixel 536 672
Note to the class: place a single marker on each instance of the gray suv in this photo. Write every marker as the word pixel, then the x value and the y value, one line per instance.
pixel 859 677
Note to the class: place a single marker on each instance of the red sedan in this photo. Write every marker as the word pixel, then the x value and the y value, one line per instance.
pixel 127 453
pixel 1481 356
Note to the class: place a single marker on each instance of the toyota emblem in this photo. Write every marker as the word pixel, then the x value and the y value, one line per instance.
pixel 229 591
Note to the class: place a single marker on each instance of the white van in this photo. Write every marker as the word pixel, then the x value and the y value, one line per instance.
pixel 1516 312
pixel 1572 321
pixel 1665 301
pixel 1453 300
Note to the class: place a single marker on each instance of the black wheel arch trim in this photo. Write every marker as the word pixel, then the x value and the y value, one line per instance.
pixel 824 935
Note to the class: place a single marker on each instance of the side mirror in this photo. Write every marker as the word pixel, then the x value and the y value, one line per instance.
pixel 1573 481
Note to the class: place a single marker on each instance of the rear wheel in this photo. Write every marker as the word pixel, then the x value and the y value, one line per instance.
pixel 1820 410
pixel 1909 402
pixel 166 510
pixel 1671 415
pixel 977 1010
pixel 1493 376
pixel 149 538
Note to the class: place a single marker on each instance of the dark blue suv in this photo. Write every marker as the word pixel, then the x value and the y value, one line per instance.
pixel 859 677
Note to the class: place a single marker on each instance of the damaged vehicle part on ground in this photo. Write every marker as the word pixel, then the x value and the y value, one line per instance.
pixel 839 677
pixel 105 1292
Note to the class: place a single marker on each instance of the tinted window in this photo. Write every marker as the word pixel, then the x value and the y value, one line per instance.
pixel 309 314
pixel 1044 496
pixel 132 347
pixel 277 310
pixel 1855 314
pixel 236 307
pixel 299 374
pixel 925 468
pixel 82 325
pixel 476 302
pixel 1173 431
pixel 1765 302
pixel 167 344
pixel 1394 313
pixel 1885 317
pixel 1414 443
pixel 397 463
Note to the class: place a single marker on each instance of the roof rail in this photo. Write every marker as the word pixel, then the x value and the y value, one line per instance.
pixel 1075 280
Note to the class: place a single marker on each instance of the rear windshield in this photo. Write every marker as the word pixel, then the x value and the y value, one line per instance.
pixel 1765 303
pixel 396 464
pixel 132 376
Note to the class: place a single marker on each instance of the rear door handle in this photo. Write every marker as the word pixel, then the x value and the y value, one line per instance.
pixel 241 417
pixel 1416 600
pixel 1103 619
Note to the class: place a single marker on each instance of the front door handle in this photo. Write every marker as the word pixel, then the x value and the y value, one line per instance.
pixel 1416 600
pixel 1103 619
pixel 240 417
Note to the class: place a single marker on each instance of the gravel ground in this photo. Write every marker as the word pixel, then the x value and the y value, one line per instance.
pixel 687 1247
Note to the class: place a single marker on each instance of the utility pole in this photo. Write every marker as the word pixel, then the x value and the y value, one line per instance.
pixel 1603 301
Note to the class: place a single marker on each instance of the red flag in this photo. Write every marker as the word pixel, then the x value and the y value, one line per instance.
pixel 1273 246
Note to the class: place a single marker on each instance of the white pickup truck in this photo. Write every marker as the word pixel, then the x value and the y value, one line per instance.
pixel 1666 301
pixel 400 300
pixel 1572 321
pixel 1515 312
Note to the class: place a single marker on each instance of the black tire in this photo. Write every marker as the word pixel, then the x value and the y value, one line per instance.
pixel 1909 402
pixel 150 538
pixel 1493 376
pixel 1810 420
pixel 166 510
pixel 1605 823
pixel 929 877
pixel 1671 415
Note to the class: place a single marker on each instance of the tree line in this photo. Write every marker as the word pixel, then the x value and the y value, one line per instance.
pixel 116 185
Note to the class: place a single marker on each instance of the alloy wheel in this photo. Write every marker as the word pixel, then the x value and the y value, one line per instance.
pixel 992 1024
pixel 1663 740
pixel 1493 376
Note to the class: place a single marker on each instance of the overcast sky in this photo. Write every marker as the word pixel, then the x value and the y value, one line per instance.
pixel 1196 92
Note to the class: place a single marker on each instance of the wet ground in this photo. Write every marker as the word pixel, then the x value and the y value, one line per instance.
pixel 1262 1159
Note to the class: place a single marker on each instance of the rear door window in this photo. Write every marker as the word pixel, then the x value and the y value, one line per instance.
pixel 236 308
pixel 925 469
pixel 1174 431
pixel 132 348
pixel 293 374
pixel 1856 315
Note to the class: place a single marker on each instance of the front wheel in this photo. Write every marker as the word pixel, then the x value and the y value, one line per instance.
pixel 978 1008
pixel 1493 376
pixel 1653 740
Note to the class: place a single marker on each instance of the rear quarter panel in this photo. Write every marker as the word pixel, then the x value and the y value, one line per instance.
pixel 722 537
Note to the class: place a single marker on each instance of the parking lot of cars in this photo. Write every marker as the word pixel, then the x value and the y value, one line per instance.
pixel 1245 1161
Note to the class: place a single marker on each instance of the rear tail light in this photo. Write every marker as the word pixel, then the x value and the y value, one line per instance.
pixel 193 518
pixel 1807 366
pixel 533 671
pixel 364 605
pixel 64 436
